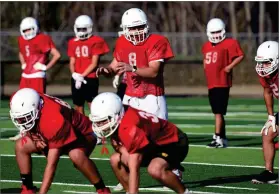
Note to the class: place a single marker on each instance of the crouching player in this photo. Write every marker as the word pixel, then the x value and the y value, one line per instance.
pixel 49 126
pixel 267 68
pixel 140 139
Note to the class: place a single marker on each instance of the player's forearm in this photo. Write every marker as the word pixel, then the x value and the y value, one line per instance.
pixel 21 59
pixel 236 61
pixel 134 162
pixel 53 157
pixel 92 66
pixel 55 56
pixel 147 72
pixel 72 65
pixel 268 98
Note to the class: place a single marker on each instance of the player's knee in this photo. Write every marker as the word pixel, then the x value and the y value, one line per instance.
pixel 18 146
pixel 77 157
pixel 155 170
pixel 115 159
pixel 269 135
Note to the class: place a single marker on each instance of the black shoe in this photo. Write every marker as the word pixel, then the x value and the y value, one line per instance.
pixel 265 177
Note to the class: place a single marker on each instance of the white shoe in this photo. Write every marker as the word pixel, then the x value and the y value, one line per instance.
pixel 16 137
pixel 99 141
pixel 119 187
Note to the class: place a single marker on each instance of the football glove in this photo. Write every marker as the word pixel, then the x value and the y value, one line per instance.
pixel 23 66
pixel 78 84
pixel 78 77
pixel 116 81
pixel 40 66
pixel 271 122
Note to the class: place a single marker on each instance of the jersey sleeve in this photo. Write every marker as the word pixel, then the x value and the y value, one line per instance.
pixel 46 44
pixel 116 52
pixel 134 139
pixel 70 49
pixel 100 47
pixel 235 50
pixel 160 50
pixel 60 132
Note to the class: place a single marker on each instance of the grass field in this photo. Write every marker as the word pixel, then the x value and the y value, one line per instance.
pixel 206 170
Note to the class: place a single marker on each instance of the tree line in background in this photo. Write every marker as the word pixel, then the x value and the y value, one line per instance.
pixel 250 17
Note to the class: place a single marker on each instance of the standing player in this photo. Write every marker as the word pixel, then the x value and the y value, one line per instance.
pixel 144 140
pixel 84 51
pixel 49 126
pixel 267 68
pixel 141 56
pixel 221 55
pixel 34 50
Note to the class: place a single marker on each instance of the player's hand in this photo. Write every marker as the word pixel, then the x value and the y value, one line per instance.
pixel 116 81
pixel 40 66
pixel 123 67
pixel 227 69
pixel 78 77
pixel 23 66
pixel 271 122
pixel 102 71
pixel 78 85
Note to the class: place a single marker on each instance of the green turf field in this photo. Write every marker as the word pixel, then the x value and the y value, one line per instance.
pixel 206 170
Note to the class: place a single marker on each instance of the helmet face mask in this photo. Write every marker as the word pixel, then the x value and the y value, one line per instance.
pixel 135 26
pixel 25 107
pixel 216 30
pixel 83 27
pixel 29 28
pixel 106 114
pixel 267 58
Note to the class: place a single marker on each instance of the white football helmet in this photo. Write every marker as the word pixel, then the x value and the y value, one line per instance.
pixel 131 19
pixel 24 109
pixel 29 28
pixel 106 112
pixel 83 27
pixel 267 58
pixel 216 25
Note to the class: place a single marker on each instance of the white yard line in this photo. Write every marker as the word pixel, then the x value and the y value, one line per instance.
pixel 229 114
pixel 226 187
pixel 249 126
pixel 191 163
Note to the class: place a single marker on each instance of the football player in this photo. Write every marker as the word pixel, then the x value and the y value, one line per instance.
pixel 221 55
pixel 141 56
pixel 143 140
pixel 51 127
pixel 34 50
pixel 267 68
pixel 84 51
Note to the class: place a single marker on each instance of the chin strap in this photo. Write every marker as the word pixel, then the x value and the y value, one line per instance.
pixel 104 149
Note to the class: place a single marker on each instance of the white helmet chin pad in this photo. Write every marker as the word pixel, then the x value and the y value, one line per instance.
pixel 24 109
pixel 216 30
pixel 267 58
pixel 106 114
pixel 132 19
pixel 83 27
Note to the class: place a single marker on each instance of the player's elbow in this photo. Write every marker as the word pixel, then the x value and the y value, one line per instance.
pixel 154 74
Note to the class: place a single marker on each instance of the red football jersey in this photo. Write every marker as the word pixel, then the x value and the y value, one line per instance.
pixel 139 128
pixel 272 83
pixel 216 58
pixel 35 50
pixel 154 48
pixel 83 50
pixel 60 125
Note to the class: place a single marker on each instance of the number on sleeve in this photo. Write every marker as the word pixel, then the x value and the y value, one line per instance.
pixel 274 89
pixel 146 115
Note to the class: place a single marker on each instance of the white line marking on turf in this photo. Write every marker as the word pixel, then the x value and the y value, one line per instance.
pixel 237 133
pixel 88 185
pixel 229 147
pixel 192 163
pixel 230 114
pixel 209 125
pixel 226 187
